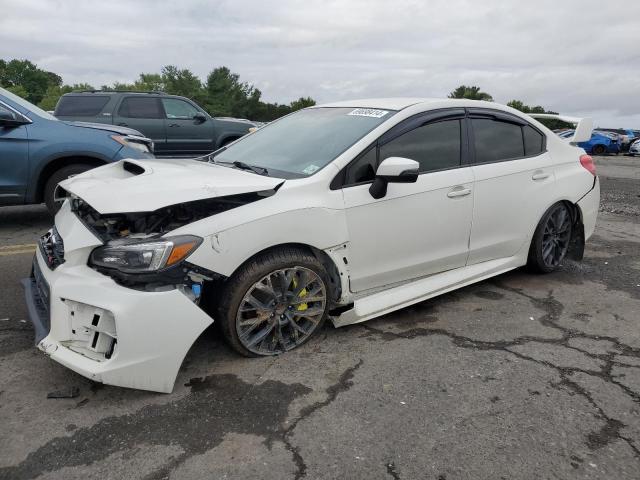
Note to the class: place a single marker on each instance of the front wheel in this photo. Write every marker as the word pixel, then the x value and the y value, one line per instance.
pixel 275 303
pixel 58 176
pixel 551 239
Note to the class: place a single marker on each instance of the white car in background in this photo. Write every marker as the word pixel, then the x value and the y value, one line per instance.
pixel 344 211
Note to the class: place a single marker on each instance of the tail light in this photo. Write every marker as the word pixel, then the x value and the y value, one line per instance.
pixel 587 162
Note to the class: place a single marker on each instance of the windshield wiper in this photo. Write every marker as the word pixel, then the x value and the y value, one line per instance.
pixel 253 168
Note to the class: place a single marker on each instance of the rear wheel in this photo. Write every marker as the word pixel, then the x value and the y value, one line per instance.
pixel 58 176
pixel 551 239
pixel 275 303
pixel 599 150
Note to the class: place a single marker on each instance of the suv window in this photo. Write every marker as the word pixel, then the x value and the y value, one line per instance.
pixel 8 113
pixel 140 107
pixel 175 108
pixel 435 146
pixel 81 105
pixel 495 140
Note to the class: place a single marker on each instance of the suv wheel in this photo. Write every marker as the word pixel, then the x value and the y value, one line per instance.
pixel 58 176
pixel 275 303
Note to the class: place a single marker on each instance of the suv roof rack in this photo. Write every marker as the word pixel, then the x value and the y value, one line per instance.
pixel 155 92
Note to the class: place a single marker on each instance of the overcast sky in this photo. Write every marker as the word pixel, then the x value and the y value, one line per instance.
pixel 573 56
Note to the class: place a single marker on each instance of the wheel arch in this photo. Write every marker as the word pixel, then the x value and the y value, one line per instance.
pixel 57 163
pixel 577 241
pixel 330 265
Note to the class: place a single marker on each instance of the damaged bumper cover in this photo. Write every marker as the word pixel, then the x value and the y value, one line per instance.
pixel 104 331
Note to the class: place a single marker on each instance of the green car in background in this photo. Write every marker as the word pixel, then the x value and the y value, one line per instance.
pixel 178 126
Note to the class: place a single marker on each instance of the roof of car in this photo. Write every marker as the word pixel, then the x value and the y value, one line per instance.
pixel 386 103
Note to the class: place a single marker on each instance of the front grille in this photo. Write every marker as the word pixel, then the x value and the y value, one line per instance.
pixel 52 248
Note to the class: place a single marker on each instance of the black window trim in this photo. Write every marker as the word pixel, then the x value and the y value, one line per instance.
pixel 499 116
pixel 156 98
pixel 405 126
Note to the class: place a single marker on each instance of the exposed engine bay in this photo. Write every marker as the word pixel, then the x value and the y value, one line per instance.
pixel 143 225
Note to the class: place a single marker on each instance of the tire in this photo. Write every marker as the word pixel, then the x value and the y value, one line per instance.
pixel 227 141
pixel 551 239
pixel 58 176
pixel 599 150
pixel 269 330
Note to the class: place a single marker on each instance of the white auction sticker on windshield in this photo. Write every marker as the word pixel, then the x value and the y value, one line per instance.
pixel 368 112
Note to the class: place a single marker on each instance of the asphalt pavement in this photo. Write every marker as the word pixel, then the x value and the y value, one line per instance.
pixel 519 377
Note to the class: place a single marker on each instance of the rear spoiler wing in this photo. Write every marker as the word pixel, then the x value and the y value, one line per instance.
pixel 584 126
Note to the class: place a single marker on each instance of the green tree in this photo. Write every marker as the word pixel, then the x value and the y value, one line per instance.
pixel 550 123
pixel 471 93
pixel 27 75
pixel 302 102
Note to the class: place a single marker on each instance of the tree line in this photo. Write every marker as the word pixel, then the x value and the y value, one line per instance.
pixel 222 93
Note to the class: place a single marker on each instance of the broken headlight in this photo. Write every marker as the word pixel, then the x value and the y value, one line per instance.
pixel 144 256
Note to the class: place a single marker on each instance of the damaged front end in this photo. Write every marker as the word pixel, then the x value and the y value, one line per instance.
pixel 139 252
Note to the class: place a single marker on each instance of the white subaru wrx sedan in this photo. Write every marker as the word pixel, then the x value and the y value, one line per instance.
pixel 347 211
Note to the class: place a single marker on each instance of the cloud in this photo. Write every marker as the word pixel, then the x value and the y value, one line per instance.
pixel 573 56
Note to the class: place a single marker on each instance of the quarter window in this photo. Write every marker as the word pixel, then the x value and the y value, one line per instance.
pixel 140 107
pixel 81 105
pixel 6 113
pixel 495 141
pixel 533 141
pixel 178 109
pixel 435 146
pixel 362 169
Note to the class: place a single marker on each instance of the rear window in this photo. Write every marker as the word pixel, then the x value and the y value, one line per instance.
pixel 81 105
pixel 140 107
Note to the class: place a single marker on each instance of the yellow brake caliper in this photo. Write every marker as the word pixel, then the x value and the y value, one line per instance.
pixel 302 294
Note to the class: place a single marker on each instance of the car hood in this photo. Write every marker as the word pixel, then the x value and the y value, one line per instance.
pixel 146 185
pixel 107 127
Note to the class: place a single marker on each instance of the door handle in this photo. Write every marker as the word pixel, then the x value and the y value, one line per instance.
pixel 539 175
pixel 174 125
pixel 459 192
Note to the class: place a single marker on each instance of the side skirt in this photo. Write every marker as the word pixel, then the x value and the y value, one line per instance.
pixel 395 298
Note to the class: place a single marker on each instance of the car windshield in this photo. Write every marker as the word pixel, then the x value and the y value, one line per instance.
pixel 24 104
pixel 302 143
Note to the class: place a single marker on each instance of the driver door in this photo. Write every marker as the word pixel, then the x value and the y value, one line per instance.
pixel 187 135
pixel 416 229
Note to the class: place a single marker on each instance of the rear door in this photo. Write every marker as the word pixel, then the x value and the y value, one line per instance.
pixel 14 160
pixel 145 114
pixel 186 135
pixel 514 183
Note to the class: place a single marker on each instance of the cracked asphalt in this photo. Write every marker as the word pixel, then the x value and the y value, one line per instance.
pixel 518 377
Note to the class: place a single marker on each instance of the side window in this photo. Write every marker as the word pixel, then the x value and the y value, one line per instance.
pixel 140 107
pixel 178 109
pixel 533 141
pixel 81 105
pixel 495 140
pixel 8 114
pixel 434 146
pixel 363 169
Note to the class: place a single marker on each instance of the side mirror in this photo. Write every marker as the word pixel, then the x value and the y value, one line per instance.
pixel 10 119
pixel 200 117
pixel 394 170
